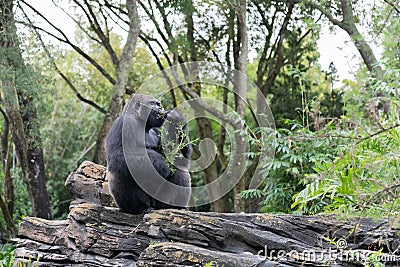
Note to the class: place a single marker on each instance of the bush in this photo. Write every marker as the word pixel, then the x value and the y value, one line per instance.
pixel 7 255
pixel 297 151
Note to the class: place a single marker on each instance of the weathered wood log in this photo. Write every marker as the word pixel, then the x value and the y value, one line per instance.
pixel 98 235
pixel 181 254
pixel 88 184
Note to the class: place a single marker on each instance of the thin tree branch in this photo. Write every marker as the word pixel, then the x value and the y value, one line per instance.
pixel 77 94
pixel 199 101
pixel 280 60
pixel 395 6
pixel 160 46
pixel 77 23
pixel 327 13
pixel 94 23
pixel 67 41
pixel 161 67
pixel 377 133
pixel 387 190
pixel 153 19
pixel 65 78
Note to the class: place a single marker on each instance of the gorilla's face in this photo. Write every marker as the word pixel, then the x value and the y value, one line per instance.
pixel 156 113
pixel 147 109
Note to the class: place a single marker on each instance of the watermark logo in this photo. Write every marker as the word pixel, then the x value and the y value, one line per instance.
pixel 213 78
pixel 339 253
pixel 341 243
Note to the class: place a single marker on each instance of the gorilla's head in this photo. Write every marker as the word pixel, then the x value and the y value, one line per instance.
pixel 146 108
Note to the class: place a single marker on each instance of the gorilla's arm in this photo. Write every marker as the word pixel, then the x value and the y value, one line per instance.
pixel 116 161
pixel 153 138
pixel 115 155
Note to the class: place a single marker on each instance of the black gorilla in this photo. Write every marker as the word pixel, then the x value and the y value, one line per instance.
pixel 141 119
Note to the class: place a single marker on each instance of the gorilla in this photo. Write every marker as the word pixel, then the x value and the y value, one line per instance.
pixel 142 120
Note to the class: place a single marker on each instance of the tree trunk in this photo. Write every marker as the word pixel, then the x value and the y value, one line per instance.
pixel 211 172
pixel 203 124
pixel 21 111
pixel 365 51
pixel 121 81
pixel 240 88
pixel 349 25
pixel 30 155
pixel 7 204
pixel 11 229
pixel 6 150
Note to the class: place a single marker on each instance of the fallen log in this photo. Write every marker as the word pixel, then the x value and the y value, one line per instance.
pixel 97 234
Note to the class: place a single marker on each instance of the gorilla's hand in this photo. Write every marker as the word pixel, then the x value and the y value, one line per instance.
pixel 176 119
pixel 177 135
pixel 175 125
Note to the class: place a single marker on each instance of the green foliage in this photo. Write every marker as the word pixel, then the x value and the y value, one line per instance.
pixel 305 94
pixel 7 255
pixel 251 193
pixel 213 264
pixel 23 205
pixel 374 260
pixel 363 178
pixel 174 142
pixel 297 152
pixel 299 82
pixel 386 24
pixel 69 131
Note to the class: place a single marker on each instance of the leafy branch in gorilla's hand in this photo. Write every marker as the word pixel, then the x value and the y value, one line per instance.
pixel 171 148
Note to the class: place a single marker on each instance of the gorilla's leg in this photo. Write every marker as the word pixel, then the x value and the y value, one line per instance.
pixel 128 196
pixel 180 197
pixel 152 172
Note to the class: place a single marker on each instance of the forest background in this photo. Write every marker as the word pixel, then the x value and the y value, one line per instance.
pixel 337 146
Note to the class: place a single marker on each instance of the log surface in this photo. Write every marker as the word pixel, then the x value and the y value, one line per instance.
pixel 97 234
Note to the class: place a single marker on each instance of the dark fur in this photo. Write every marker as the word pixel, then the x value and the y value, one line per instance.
pixel 127 194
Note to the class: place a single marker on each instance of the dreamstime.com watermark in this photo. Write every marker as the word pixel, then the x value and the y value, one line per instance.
pixel 338 253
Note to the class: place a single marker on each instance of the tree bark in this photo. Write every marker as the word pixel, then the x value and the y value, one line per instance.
pixel 366 52
pixel 7 203
pixel 211 172
pixel 11 229
pixel 6 150
pixel 240 87
pixel 21 111
pixel 121 81
pixel 203 124
pixel 349 25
